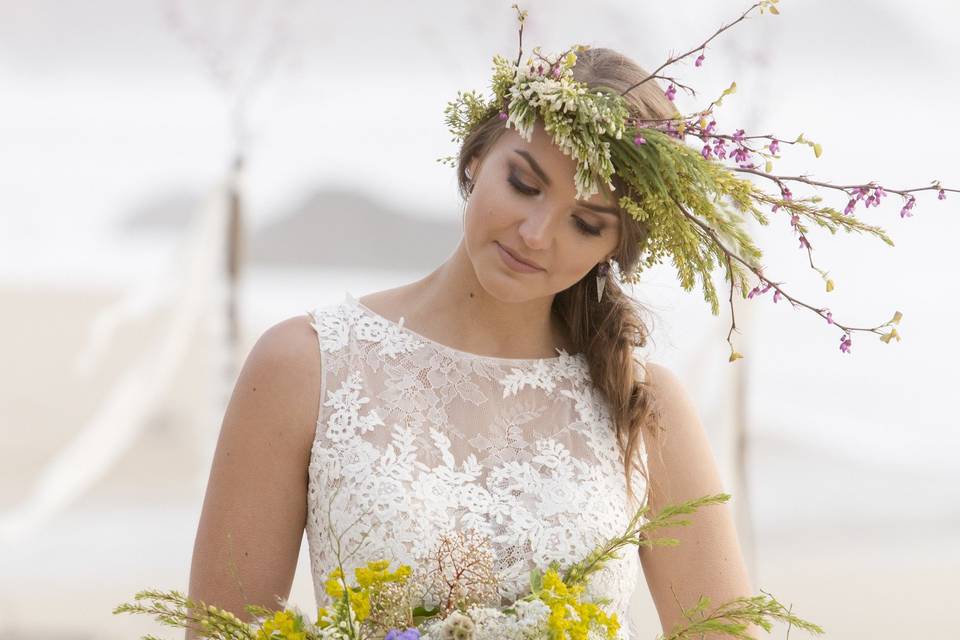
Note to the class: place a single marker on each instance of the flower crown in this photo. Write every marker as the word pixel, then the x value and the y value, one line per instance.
pixel 692 204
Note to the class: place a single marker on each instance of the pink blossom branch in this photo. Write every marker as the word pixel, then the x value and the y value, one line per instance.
pixel 672 60
pixel 730 255
pixel 692 127
pixel 733 317
pixel 743 153
pixel 846 188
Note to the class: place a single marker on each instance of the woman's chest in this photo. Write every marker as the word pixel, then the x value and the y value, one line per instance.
pixel 539 481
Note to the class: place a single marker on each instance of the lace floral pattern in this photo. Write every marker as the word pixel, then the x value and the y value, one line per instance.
pixel 415 438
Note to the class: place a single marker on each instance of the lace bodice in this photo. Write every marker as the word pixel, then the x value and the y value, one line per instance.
pixel 415 438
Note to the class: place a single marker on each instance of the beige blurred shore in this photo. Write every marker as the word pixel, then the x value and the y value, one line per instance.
pixel 133 527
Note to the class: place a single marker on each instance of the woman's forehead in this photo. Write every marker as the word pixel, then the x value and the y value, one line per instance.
pixel 544 160
pixel 542 156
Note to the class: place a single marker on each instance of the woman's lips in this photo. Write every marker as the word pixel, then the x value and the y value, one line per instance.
pixel 515 263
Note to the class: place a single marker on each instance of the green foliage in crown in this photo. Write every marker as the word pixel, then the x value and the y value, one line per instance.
pixel 581 121
pixel 663 174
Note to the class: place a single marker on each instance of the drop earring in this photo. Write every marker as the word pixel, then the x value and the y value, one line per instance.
pixel 602 270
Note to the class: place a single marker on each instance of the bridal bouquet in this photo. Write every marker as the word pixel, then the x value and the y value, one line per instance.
pixel 452 595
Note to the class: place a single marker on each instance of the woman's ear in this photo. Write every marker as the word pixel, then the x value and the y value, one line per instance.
pixel 470 172
pixel 471 169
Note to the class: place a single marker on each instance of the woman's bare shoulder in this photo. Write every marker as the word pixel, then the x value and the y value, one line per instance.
pixel 288 343
pixel 662 378
pixel 283 372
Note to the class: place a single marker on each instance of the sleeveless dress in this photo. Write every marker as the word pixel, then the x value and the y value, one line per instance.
pixel 415 438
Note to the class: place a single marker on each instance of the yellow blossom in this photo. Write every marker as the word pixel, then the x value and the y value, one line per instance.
pixel 334 584
pixel 569 617
pixel 322 612
pixel 891 335
pixel 376 574
pixel 283 626
pixel 360 603
pixel 369 580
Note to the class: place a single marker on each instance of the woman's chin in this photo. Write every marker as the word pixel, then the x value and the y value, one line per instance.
pixel 506 286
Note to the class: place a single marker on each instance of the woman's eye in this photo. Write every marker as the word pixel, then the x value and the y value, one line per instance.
pixel 522 188
pixel 586 228
pixel 582 226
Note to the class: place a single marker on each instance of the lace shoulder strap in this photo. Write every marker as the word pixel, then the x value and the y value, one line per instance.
pixel 332 324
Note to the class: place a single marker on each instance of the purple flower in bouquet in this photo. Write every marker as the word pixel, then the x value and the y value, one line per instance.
pixel 409 634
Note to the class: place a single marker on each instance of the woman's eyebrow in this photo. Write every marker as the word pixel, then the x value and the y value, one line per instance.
pixel 533 165
pixel 537 169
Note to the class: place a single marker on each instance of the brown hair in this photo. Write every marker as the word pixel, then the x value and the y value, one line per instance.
pixel 606 332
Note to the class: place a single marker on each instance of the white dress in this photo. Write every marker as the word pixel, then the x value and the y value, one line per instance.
pixel 415 438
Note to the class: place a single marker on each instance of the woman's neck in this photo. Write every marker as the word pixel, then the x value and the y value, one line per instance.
pixel 451 307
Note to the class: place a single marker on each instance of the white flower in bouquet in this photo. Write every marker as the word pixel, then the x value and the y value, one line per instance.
pixel 528 622
pixel 456 626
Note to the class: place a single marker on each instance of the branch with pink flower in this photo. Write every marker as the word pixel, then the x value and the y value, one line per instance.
pixel 674 83
pixel 703 125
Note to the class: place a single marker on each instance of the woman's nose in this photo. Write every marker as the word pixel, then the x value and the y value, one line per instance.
pixel 535 230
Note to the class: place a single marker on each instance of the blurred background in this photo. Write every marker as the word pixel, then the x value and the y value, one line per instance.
pixel 176 177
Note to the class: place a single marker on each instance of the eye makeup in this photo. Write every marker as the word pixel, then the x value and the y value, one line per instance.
pixel 582 226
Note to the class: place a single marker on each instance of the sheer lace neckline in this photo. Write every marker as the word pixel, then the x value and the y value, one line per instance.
pixel 350 299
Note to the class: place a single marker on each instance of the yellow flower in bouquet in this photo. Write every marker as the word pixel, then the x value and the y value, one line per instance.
pixel 283 626
pixel 563 601
pixel 370 580
pixel 378 605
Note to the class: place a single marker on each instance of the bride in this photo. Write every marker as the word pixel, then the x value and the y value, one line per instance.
pixel 500 393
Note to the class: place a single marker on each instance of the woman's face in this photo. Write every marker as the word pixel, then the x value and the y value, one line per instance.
pixel 524 207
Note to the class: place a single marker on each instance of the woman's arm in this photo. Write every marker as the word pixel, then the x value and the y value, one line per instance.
pixel 254 511
pixel 708 561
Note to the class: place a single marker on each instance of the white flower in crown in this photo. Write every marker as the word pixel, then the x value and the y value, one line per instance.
pixel 574 115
